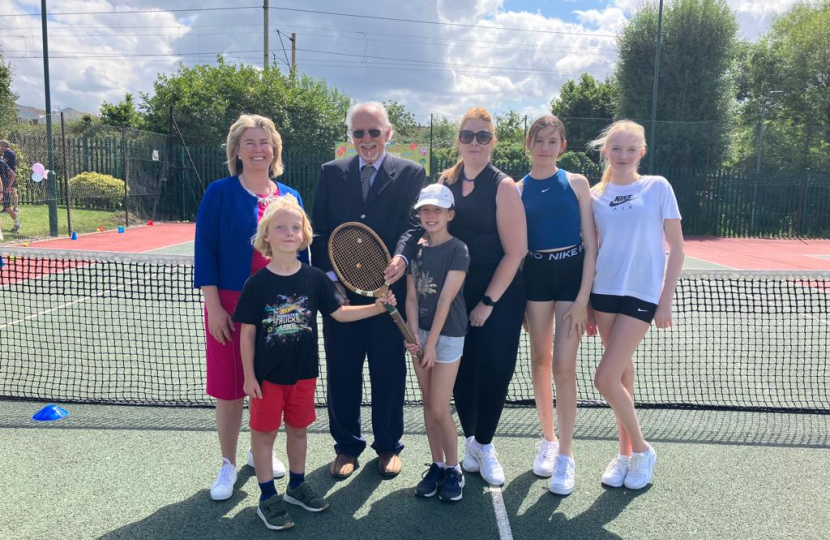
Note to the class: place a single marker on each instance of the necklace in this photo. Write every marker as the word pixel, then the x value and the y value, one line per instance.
pixel 261 200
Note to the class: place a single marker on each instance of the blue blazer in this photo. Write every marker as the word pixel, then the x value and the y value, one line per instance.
pixel 225 223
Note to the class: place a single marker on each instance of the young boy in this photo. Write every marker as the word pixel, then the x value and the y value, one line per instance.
pixel 278 341
pixel 436 313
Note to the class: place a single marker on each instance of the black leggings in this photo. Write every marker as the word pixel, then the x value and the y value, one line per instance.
pixel 489 357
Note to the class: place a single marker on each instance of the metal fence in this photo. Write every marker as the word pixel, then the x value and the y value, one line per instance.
pixel 165 175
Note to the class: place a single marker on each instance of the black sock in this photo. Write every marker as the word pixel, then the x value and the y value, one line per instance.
pixel 268 490
pixel 295 479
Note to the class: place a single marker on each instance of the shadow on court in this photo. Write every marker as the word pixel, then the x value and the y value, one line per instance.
pixel 543 519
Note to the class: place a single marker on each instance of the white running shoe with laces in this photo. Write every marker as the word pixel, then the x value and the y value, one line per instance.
pixel 640 469
pixel 469 463
pixel 487 461
pixel 276 464
pixel 222 487
pixel 546 455
pixel 615 472
pixel 562 480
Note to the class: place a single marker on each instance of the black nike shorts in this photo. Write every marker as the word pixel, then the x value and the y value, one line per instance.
pixel 624 305
pixel 554 276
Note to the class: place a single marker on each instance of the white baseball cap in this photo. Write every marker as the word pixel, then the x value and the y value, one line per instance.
pixel 436 195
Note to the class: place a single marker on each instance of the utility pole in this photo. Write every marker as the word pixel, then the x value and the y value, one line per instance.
pixel 771 96
pixel 51 183
pixel 293 52
pixel 265 46
pixel 653 134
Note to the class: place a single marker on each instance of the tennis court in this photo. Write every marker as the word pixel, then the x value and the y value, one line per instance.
pixel 102 331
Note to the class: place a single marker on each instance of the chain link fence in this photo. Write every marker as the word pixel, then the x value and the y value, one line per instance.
pixel 141 176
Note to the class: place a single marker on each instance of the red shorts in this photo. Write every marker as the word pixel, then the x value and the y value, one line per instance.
pixel 294 401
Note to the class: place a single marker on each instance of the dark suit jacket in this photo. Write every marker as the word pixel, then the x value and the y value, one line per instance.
pixel 387 209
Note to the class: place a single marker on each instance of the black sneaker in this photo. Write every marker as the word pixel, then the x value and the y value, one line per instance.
pixel 431 480
pixel 273 513
pixel 16 228
pixel 305 497
pixel 453 485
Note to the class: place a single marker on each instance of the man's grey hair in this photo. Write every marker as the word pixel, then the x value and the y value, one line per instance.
pixel 372 107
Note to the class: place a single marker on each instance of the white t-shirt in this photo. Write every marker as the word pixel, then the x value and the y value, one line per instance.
pixel 632 251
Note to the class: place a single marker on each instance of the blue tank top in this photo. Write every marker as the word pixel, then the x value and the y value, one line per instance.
pixel 552 211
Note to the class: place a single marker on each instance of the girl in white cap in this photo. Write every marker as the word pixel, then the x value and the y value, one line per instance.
pixel 437 315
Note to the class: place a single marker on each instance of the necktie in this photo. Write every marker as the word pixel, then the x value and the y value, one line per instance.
pixel 365 175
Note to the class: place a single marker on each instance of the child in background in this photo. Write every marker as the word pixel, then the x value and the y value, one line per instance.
pixel 436 313
pixel 278 313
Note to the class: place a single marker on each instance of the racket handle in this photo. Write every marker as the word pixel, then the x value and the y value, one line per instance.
pixel 407 333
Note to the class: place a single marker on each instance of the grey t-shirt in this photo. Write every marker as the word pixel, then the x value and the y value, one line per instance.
pixel 429 269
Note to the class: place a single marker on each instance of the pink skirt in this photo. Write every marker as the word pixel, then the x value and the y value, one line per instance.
pixel 225 376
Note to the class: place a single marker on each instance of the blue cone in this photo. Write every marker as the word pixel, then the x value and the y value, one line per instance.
pixel 74 235
pixel 50 413
pixel 120 230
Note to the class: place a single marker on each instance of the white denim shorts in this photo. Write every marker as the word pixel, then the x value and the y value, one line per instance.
pixel 447 350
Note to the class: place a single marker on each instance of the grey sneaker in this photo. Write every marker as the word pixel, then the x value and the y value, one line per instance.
pixel 305 497
pixel 16 228
pixel 273 513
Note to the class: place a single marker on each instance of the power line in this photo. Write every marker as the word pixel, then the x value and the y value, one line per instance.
pixel 438 23
pixel 129 12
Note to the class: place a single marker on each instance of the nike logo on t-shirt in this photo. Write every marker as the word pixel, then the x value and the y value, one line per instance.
pixel 620 199
pixel 544 190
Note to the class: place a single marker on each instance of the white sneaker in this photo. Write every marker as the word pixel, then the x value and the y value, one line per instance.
pixel 276 464
pixel 640 469
pixel 222 487
pixel 488 463
pixel 470 462
pixel 562 480
pixel 543 464
pixel 615 472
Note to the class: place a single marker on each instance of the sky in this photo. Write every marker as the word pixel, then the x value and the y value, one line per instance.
pixel 434 56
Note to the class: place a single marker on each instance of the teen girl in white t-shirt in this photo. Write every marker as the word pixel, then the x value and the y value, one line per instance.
pixel 635 217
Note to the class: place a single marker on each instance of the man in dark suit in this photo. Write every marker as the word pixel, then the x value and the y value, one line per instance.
pixel 379 190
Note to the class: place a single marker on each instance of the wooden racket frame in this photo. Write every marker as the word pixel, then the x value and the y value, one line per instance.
pixel 393 311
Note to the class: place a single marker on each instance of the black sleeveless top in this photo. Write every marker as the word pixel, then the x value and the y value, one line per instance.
pixel 475 219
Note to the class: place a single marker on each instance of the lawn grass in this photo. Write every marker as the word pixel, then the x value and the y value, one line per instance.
pixel 34 221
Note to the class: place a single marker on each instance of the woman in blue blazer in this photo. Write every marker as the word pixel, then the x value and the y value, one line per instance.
pixel 224 259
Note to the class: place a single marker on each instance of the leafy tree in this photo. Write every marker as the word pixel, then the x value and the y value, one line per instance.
pixel 122 114
pixel 579 162
pixel 586 107
pixel 404 123
pixel 8 111
pixel 696 92
pixel 792 59
pixel 510 127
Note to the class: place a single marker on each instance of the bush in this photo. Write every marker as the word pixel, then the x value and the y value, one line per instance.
pixel 95 190
pixel 580 163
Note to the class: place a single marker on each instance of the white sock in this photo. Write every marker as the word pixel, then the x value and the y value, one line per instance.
pixel 456 467
pixel 441 464
pixel 623 457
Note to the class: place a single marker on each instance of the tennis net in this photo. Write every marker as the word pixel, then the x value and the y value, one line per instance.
pixel 125 328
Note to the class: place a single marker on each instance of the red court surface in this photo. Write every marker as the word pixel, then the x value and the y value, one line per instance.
pixel 761 253
pixel 132 240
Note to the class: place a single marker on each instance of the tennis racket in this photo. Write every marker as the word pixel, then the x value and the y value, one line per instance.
pixel 359 257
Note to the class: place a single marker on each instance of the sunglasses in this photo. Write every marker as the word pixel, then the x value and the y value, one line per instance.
pixel 483 137
pixel 358 133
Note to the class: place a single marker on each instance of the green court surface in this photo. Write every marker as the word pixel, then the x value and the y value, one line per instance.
pixel 116 472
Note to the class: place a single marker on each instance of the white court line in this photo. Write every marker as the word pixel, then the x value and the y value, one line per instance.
pixel 501 514
pixel 67 304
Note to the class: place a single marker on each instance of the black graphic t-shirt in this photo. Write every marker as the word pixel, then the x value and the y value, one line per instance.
pixel 284 311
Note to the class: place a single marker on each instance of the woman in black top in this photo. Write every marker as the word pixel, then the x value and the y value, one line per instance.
pixel 490 219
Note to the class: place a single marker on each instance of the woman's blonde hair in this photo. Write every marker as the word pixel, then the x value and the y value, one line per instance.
pixel 248 121
pixel 286 202
pixel 545 122
pixel 599 144
pixel 451 175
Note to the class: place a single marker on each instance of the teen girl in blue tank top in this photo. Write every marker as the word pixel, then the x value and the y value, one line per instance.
pixel 559 270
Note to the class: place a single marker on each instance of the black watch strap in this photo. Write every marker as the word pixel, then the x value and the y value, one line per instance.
pixel 487 301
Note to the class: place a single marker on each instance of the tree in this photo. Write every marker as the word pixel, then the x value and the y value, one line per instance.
pixel 695 105
pixel 403 122
pixel 122 114
pixel 791 58
pixel 8 110
pixel 586 107
pixel 207 99
pixel 510 127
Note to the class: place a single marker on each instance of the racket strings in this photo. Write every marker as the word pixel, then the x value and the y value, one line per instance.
pixel 359 258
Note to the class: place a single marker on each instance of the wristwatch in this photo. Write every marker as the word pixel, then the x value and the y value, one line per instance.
pixel 487 301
